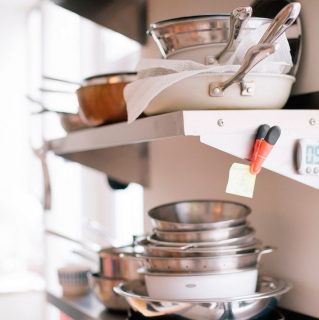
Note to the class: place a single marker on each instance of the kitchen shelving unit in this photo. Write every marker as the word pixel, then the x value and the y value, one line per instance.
pixel 121 150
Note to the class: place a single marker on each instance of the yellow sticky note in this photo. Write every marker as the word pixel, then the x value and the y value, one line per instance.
pixel 241 182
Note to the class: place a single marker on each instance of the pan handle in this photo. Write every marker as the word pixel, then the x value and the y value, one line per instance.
pixel 91 246
pixel 264 250
pixel 95 226
pixel 237 20
pixel 253 56
pixel 41 154
pixel 283 20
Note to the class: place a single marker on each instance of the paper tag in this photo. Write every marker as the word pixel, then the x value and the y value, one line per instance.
pixel 241 182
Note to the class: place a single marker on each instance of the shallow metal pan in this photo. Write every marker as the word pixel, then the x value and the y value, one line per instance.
pixel 199 215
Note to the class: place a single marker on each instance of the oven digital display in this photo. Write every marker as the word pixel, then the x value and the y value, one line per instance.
pixel 312 154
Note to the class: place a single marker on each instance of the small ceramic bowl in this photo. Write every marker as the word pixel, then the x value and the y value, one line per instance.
pixel 74 280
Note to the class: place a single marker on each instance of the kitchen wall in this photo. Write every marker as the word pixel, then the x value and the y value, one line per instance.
pixel 285 213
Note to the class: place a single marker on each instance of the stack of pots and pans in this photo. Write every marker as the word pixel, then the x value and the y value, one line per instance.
pixel 202 250
pixel 201 260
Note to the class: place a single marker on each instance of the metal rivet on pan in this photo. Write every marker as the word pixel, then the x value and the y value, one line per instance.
pixel 216 90
pixel 312 121
pixel 220 122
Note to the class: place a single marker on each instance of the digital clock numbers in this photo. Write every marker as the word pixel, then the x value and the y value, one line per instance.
pixel 308 157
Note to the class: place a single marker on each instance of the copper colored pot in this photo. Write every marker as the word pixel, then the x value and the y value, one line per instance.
pixel 101 98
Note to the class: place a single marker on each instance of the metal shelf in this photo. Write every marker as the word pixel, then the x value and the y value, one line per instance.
pixel 82 308
pixel 121 150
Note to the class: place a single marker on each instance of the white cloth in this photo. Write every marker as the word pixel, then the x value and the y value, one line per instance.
pixel 155 75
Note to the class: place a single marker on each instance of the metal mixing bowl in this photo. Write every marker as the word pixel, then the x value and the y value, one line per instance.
pixel 103 290
pixel 201 235
pixel 258 305
pixel 246 238
pixel 199 215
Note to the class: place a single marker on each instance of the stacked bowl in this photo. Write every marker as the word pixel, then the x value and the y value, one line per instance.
pixel 201 250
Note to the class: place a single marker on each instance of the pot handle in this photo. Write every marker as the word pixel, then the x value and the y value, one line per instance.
pixel 283 20
pixel 91 246
pixel 264 250
pixel 253 56
pixel 237 20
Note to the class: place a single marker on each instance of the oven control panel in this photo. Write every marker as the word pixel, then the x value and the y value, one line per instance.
pixel 308 157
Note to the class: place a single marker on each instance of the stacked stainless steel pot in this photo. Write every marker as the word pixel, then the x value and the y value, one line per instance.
pixel 200 251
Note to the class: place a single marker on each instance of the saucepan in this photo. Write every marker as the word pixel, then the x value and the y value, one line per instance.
pixel 152 250
pixel 255 306
pixel 115 263
pixel 205 264
pixel 199 215
pixel 201 235
pixel 101 98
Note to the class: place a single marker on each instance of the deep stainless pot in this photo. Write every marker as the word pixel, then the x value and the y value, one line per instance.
pixel 177 252
pixel 103 289
pixel 199 215
pixel 256 306
pixel 200 236
pixel 246 238
pixel 205 264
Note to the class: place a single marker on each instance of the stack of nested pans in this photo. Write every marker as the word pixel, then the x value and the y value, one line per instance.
pixel 201 250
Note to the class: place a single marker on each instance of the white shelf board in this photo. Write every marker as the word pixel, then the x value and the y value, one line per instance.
pixel 185 123
pixel 105 148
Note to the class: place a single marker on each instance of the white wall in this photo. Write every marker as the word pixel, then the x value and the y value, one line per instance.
pixel 285 213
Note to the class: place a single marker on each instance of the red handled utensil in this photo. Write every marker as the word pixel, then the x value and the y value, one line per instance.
pixel 265 148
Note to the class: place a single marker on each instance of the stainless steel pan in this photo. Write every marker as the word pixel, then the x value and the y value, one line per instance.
pixel 177 252
pixel 199 215
pixel 186 33
pixel 200 236
pixel 205 264
pixel 258 305
pixel 115 263
pixel 246 238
